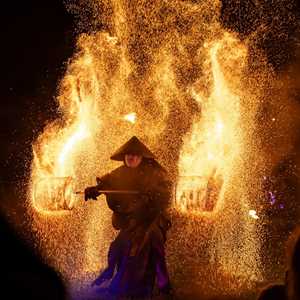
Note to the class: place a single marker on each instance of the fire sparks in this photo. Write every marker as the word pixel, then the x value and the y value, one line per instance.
pixel 214 142
pixel 253 214
pixel 131 118
pixel 182 77
pixel 57 149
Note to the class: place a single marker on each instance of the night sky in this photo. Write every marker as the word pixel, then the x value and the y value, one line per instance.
pixel 38 38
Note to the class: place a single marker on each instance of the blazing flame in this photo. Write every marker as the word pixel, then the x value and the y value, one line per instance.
pixel 56 150
pixel 213 144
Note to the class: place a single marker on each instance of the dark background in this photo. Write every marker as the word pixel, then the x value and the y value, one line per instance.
pixel 38 38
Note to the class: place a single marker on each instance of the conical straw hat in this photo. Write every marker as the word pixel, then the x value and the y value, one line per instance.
pixel 133 146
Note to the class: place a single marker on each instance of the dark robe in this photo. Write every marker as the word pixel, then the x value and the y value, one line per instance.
pixel 136 258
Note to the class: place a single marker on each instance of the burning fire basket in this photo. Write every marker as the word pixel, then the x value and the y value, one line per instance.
pixel 58 194
pixel 192 193
pixel 54 194
pixel 196 193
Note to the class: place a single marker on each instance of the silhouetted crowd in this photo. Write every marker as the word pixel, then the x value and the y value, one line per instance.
pixel 290 288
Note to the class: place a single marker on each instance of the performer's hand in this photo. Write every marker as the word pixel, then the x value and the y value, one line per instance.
pixel 91 193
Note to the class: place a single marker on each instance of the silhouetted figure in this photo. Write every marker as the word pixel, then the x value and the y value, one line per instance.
pixel 293 272
pixel 273 292
pixel 291 288
pixel 136 259
pixel 23 274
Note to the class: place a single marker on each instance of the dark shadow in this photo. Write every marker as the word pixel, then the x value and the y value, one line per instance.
pixel 23 273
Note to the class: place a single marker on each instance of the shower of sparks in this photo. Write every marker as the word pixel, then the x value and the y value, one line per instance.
pixel 213 145
pixel 197 92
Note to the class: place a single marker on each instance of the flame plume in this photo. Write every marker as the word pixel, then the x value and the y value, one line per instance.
pixel 214 142
pixel 56 148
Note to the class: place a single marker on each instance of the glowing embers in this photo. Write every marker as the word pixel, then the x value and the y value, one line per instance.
pixel 198 194
pixel 253 214
pixel 53 194
pixel 131 118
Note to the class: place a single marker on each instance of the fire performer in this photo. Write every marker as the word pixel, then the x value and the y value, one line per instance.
pixel 138 193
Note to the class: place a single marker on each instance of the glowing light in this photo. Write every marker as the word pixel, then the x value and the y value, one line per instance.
pixel 210 156
pixel 219 128
pixel 253 214
pixel 130 117
pixel 78 136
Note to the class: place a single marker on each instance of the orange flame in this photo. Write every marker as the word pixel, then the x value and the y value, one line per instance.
pixel 210 149
pixel 56 150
